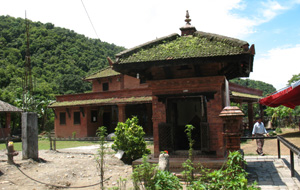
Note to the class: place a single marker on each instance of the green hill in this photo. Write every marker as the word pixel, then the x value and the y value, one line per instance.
pixel 60 58
pixel 265 87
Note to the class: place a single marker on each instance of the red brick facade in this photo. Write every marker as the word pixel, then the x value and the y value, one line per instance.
pixel 191 87
pixel 108 114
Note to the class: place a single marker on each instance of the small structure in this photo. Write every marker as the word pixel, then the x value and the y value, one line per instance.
pixel 6 109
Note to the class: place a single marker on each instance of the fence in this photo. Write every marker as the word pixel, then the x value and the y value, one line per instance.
pixel 293 149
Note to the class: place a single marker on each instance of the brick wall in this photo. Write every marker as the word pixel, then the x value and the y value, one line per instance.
pixel 114 83
pixel 187 87
pixel 67 129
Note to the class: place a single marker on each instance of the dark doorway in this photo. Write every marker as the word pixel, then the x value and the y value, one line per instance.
pixel 143 113
pixel 188 110
pixel 107 121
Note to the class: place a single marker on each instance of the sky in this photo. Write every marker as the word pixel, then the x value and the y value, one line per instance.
pixel 273 26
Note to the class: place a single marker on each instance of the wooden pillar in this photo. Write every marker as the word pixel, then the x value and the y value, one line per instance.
pixel 121 112
pixel 149 128
pixel 250 116
pixel 8 120
pixel 158 116
pixel 261 112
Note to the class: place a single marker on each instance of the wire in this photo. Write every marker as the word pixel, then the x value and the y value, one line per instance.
pixel 78 187
pixel 89 19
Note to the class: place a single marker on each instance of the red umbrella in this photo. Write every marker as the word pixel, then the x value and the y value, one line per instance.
pixel 289 97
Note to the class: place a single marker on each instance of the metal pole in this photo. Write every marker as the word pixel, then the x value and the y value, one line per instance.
pixel 292 163
pixel 278 148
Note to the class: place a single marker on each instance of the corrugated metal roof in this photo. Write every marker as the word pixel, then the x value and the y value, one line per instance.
pixel 105 101
pixel 6 107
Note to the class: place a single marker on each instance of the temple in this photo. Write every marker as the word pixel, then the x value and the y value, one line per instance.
pixel 168 82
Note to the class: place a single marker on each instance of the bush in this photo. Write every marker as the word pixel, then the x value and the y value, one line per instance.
pixel 147 176
pixel 143 175
pixel 130 138
pixel 233 177
pixel 166 180
pixel 272 133
pixel 278 130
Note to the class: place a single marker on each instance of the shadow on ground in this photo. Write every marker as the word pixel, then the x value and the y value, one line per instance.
pixel 264 173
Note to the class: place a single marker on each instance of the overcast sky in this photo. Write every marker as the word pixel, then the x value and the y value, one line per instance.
pixel 273 26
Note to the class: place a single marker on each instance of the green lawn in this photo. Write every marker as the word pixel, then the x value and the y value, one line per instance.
pixel 45 144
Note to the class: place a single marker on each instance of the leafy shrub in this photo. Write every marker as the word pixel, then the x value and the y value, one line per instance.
pixel 278 130
pixel 143 175
pixel 147 176
pixel 130 138
pixel 166 180
pixel 272 133
pixel 233 177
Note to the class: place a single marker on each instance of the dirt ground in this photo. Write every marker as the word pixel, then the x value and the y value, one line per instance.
pixel 270 146
pixel 72 167
pixel 76 167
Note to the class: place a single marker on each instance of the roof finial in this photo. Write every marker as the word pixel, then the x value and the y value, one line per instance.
pixel 187 29
pixel 187 20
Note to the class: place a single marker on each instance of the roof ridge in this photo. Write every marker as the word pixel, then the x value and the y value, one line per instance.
pixel 147 45
pixel 217 37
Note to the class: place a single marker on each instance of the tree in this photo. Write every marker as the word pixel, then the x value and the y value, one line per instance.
pixel 294 79
pixel 60 58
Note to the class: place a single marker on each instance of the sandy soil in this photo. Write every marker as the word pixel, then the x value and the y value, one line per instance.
pixel 67 167
pixel 270 146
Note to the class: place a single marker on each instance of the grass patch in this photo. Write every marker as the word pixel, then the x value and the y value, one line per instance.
pixel 45 144
pixel 245 141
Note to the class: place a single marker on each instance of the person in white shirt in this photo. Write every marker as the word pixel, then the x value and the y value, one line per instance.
pixel 258 131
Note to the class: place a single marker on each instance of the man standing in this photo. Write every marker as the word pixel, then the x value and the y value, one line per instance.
pixel 258 131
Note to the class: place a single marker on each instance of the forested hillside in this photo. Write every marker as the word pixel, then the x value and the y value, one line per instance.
pixel 265 87
pixel 60 58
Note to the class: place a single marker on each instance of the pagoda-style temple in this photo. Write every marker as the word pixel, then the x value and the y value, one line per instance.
pixel 187 75
pixel 168 83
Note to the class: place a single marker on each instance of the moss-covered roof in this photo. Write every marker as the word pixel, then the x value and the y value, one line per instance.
pixel 106 72
pixel 244 95
pixel 6 107
pixel 106 101
pixel 173 47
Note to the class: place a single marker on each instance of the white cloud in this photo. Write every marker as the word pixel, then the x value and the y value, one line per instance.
pixel 277 66
pixel 271 9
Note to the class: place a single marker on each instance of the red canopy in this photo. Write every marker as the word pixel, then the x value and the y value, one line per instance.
pixel 289 97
